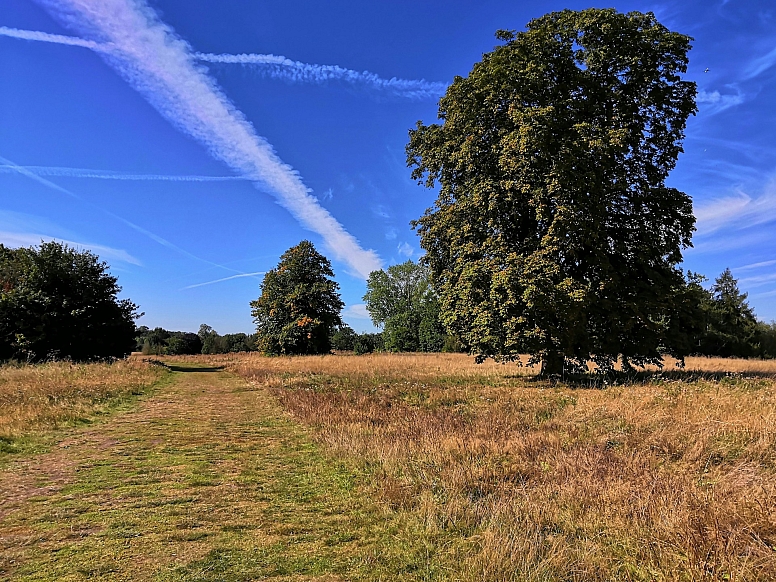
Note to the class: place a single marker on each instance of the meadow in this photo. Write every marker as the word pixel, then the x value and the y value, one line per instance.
pixel 481 472
pixel 668 476
pixel 36 398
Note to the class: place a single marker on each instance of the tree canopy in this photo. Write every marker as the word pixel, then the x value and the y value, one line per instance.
pixel 57 302
pixel 554 232
pixel 299 304
pixel 402 301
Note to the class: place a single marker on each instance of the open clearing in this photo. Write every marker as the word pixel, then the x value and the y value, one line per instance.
pixel 404 467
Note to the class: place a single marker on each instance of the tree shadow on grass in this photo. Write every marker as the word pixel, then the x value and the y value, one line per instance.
pixel 177 368
pixel 601 381
pixel 183 367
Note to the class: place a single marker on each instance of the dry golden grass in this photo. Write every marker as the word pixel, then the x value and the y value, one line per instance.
pixel 670 477
pixel 45 395
pixel 731 365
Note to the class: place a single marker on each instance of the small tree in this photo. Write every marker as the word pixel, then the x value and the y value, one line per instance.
pixel 766 340
pixel 366 343
pixel 182 342
pixel 343 338
pixel 56 302
pixel 554 232
pixel 238 342
pixel 299 304
pixel 402 301
pixel 731 326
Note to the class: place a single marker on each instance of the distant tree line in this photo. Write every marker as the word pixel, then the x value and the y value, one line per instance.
pixel 299 309
pixel 402 302
pixel 56 302
pixel 159 341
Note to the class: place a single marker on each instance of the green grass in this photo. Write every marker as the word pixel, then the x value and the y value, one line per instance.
pixel 205 480
pixel 39 437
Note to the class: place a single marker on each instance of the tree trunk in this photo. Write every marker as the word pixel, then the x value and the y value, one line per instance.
pixel 552 364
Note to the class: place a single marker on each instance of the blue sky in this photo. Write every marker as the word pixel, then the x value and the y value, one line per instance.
pixel 142 134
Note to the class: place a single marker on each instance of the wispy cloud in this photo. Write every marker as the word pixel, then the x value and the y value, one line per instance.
pixel 405 249
pixel 746 241
pixel 357 311
pixel 53 38
pixel 161 66
pixel 739 210
pixel 113 175
pixel 25 171
pixel 280 67
pixel 753 266
pixel 759 65
pixel 380 211
pixel 766 294
pixel 240 276
pixel 735 173
pixel 26 239
pixel 715 102
pixel 758 280
pixel 271 66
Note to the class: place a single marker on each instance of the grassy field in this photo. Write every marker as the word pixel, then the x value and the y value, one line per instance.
pixel 669 477
pixel 36 399
pixel 404 467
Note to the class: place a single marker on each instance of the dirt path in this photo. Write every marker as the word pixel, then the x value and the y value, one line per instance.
pixel 206 480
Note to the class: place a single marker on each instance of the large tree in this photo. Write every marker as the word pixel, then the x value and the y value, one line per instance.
pixel 57 302
pixel 299 304
pixel 554 232
pixel 402 301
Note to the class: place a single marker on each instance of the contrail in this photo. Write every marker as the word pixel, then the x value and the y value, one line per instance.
pixel 113 175
pixel 279 67
pixel 760 65
pixel 154 237
pixel 273 66
pixel 224 279
pixel 26 239
pixel 160 65
pixel 48 37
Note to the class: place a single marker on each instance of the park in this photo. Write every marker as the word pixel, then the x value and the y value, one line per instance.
pixel 546 391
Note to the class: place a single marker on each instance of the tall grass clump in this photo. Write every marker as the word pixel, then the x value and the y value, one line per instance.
pixel 42 396
pixel 670 476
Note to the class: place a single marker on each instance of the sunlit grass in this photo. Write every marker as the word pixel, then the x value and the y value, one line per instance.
pixel 44 396
pixel 426 467
pixel 206 480
pixel 670 476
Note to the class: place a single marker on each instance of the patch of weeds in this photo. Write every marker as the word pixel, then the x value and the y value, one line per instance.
pixel 340 538
pixel 553 406
pixel 98 570
pixel 167 501
pixel 413 394
pixel 232 565
pixel 23 446
pixel 202 481
pixel 727 447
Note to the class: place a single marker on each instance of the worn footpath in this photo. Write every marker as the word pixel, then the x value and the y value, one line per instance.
pixel 206 479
